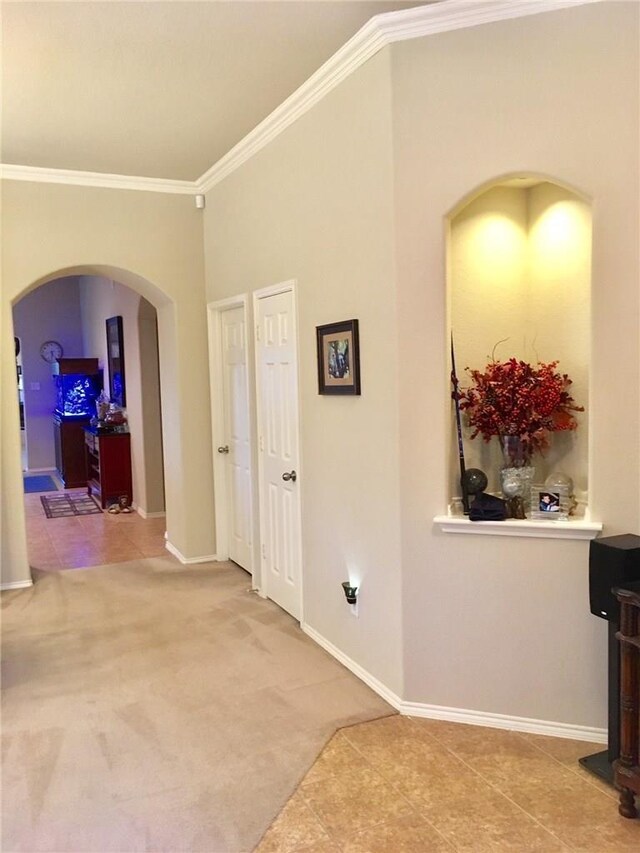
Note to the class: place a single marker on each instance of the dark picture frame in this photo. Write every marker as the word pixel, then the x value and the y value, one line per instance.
pixel 338 358
pixel 115 361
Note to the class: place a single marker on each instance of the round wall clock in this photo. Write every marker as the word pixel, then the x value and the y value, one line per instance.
pixel 50 351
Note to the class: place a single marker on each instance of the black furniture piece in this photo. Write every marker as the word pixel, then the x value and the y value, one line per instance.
pixel 614 562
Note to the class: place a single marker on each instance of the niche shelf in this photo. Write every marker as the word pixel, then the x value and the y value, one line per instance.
pixel 529 528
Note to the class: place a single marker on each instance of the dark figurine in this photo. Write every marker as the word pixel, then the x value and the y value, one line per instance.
pixel 487 508
pixel 474 481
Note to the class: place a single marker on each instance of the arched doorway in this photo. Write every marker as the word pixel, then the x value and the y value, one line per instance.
pixel 180 523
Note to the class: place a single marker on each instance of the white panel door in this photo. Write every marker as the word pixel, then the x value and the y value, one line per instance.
pixel 277 373
pixel 237 448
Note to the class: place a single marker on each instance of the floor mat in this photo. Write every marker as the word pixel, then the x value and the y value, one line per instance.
pixel 62 506
pixel 40 483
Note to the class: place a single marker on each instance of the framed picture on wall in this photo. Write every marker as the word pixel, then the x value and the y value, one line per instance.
pixel 338 358
pixel 115 361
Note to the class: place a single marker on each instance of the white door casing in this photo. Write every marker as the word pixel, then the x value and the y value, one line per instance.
pixel 232 431
pixel 278 446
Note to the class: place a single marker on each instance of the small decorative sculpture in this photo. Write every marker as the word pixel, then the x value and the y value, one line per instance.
pixel 512 490
pixel 487 508
pixel 474 481
pixel 484 507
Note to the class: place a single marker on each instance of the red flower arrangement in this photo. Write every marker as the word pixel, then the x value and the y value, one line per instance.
pixel 513 398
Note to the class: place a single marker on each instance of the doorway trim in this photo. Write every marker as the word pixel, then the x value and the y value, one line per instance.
pixel 291 286
pixel 215 310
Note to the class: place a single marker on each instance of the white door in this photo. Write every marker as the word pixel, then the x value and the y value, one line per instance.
pixel 277 378
pixel 236 449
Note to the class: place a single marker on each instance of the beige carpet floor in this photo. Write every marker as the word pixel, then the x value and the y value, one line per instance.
pixel 149 706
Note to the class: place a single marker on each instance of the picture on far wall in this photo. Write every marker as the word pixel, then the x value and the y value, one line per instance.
pixel 338 358
pixel 115 361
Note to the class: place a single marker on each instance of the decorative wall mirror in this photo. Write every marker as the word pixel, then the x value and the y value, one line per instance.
pixel 115 361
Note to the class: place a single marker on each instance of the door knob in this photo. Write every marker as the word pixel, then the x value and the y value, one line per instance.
pixel 290 476
pixel 224 449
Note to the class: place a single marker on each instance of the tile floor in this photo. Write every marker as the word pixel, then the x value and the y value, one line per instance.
pixel 90 540
pixel 403 785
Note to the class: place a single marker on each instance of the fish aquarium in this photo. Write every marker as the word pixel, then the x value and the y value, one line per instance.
pixel 77 391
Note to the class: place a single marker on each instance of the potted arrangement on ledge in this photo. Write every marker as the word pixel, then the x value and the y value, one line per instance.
pixel 521 405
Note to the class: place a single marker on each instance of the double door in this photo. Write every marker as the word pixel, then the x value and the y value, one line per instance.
pixel 271 445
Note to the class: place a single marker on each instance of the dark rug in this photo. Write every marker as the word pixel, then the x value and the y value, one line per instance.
pixel 41 483
pixel 62 506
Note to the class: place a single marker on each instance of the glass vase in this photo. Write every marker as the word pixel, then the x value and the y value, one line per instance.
pixel 516 475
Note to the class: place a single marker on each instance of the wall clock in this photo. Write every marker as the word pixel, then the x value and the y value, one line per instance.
pixel 50 351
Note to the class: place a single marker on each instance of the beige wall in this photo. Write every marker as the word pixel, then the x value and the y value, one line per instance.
pixel 351 201
pixel 493 624
pixel 153 243
pixel 101 298
pixel 560 309
pixel 316 206
pixel 51 312
pixel 151 407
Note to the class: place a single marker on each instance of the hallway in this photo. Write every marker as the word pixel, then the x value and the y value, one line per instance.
pixel 91 540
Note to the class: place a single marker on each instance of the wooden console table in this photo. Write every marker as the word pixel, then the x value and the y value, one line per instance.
pixel 627 767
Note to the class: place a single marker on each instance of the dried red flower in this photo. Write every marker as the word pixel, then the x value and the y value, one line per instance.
pixel 515 398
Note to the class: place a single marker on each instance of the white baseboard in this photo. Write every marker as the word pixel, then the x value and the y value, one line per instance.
pixel 377 686
pixel 144 514
pixel 459 715
pixel 51 471
pixel 503 721
pixel 16 585
pixel 189 561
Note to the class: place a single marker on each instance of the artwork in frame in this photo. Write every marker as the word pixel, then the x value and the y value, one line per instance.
pixel 115 360
pixel 338 358
pixel 551 504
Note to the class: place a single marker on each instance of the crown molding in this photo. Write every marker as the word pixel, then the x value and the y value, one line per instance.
pixel 377 33
pixel 447 15
pixel 36 174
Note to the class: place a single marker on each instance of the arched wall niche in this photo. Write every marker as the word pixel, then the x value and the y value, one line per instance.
pixel 519 285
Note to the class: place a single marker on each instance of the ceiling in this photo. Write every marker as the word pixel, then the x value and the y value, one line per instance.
pixel 157 89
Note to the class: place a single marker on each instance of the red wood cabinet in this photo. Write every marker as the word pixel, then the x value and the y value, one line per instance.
pixel 108 466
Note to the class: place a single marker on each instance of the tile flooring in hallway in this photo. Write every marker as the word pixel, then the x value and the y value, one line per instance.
pixel 403 785
pixel 89 540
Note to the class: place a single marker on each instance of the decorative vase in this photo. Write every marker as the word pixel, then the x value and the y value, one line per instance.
pixel 516 475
